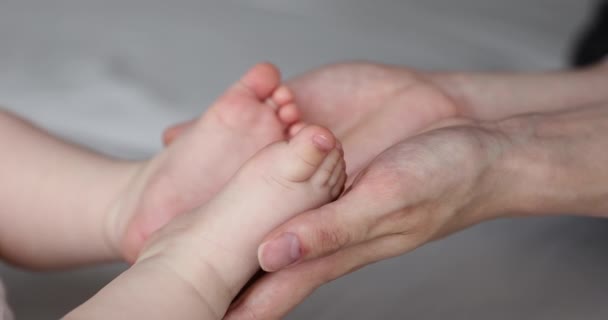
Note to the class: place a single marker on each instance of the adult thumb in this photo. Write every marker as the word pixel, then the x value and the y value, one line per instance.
pixel 315 234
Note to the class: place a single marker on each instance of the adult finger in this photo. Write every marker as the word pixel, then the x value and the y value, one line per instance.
pixel 318 233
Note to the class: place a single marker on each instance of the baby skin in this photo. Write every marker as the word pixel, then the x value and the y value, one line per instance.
pixel 119 204
pixel 90 208
pixel 201 208
pixel 253 113
pixel 194 266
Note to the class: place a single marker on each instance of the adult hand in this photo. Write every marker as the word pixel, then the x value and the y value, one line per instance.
pixel 369 106
pixel 432 185
pixel 415 191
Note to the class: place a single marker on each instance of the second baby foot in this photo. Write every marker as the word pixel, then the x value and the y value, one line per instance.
pixel 216 244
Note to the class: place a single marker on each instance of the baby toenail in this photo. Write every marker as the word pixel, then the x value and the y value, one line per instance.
pixel 322 142
pixel 280 252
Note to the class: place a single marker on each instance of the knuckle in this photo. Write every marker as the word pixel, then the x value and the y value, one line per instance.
pixel 330 240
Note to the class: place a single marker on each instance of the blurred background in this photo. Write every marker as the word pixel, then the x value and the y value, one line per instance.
pixel 112 74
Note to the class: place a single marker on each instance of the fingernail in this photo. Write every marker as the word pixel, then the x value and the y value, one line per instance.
pixel 322 142
pixel 280 252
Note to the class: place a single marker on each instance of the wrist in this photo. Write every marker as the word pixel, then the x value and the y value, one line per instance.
pixel 555 165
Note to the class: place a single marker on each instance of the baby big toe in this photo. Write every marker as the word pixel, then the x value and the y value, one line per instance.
pixel 262 80
pixel 307 152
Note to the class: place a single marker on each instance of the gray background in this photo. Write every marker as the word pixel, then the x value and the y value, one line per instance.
pixel 111 74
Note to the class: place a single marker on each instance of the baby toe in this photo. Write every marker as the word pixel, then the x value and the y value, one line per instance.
pixel 307 152
pixel 337 173
pixel 338 188
pixel 289 113
pixel 327 169
pixel 282 96
pixel 263 80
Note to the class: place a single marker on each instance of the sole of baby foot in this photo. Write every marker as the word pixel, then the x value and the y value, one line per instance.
pixel 255 112
pixel 281 100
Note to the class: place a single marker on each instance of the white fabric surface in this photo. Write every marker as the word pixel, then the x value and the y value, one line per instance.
pixel 111 74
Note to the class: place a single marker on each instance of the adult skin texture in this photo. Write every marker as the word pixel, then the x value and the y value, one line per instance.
pixel 433 153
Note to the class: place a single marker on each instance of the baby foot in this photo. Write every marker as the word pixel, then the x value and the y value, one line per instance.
pixel 253 113
pixel 215 246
